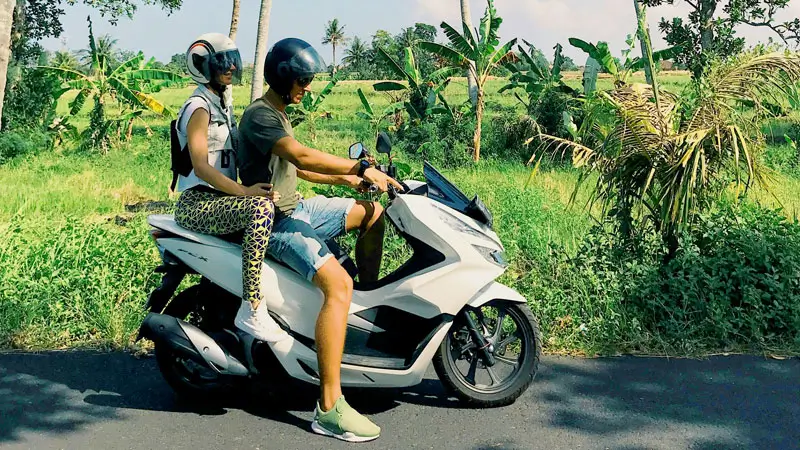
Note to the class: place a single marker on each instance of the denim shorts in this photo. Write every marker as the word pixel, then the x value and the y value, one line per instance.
pixel 299 240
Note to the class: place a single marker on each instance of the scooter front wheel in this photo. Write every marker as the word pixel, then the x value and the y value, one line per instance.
pixel 512 338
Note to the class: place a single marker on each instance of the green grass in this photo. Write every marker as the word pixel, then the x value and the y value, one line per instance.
pixel 76 267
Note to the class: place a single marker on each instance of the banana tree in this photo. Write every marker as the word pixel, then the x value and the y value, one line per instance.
pixel 479 56
pixel 130 84
pixel 626 67
pixel 309 107
pixel 375 118
pixel 534 77
pixel 423 92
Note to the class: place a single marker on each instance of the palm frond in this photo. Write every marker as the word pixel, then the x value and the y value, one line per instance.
pixel 365 103
pixel 458 41
pixel 443 73
pixel 129 64
pixel 497 56
pixel 453 56
pixel 394 65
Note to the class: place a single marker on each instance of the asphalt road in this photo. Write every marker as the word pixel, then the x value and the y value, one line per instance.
pixel 84 400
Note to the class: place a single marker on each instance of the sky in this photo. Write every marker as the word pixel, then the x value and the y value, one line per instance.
pixel 544 23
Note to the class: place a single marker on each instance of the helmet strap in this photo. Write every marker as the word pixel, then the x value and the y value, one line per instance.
pixel 220 88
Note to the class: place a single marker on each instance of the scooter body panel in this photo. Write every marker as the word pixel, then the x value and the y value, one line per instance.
pixel 458 265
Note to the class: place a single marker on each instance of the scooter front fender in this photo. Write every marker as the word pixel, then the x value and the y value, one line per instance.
pixel 496 291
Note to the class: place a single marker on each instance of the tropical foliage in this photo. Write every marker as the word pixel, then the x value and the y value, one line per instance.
pixel 309 107
pixel 423 95
pixel 480 56
pixel 663 161
pixel 622 69
pixel 334 35
pixel 131 84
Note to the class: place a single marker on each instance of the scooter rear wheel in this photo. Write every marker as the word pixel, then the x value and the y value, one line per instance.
pixel 514 340
pixel 189 379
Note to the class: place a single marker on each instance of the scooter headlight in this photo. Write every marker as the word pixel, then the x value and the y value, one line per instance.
pixel 493 256
pixel 460 226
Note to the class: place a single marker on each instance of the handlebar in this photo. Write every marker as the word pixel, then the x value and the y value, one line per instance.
pixel 390 170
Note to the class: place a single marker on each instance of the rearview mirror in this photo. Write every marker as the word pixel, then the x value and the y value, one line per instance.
pixel 357 151
pixel 384 144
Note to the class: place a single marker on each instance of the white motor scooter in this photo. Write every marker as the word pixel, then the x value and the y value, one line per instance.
pixel 442 305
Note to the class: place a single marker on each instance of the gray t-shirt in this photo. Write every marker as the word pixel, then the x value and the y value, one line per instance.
pixel 262 125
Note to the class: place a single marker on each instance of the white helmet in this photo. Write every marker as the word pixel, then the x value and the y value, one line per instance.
pixel 210 55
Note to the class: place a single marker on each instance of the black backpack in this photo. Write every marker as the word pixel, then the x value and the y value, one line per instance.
pixel 181 161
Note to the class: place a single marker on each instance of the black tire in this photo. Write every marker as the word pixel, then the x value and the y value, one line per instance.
pixel 177 373
pixel 186 302
pixel 457 384
pixel 191 305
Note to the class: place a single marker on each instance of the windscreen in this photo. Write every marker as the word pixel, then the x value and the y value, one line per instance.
pixel 442 190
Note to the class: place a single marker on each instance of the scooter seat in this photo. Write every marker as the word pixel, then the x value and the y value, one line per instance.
pixel 167 222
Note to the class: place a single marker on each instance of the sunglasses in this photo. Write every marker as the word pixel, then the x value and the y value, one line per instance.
pixel 303 82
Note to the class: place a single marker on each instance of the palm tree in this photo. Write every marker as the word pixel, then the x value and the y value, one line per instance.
pixel 407 38
pixel 356 54
pixel 234 20
pixel 64 60
pixel 105 51
pixel 478 56
pixel 668 160
pixel 6 17
pixel 466 20
pixel 334 35
pixel 257 89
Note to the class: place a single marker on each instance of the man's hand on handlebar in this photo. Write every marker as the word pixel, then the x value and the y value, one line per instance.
pixel 381 180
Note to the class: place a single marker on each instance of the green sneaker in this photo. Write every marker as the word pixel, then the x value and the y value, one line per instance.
pixel 345 423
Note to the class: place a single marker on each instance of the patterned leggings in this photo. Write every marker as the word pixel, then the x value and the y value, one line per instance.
pixel 216 213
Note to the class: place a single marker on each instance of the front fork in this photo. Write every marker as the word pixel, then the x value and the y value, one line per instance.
pixel 483 346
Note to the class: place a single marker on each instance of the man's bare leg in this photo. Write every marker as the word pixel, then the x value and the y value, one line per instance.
pixel 368 218
pixel 337 286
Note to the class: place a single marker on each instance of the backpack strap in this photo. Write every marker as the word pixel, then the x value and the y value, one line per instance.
pixel 181 161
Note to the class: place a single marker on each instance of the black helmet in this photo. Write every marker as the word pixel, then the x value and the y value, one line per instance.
pixel 288 60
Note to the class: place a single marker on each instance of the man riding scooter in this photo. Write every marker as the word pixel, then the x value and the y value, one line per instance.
pixel 269 153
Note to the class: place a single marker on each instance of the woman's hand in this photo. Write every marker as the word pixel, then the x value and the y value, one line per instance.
pixel 262 190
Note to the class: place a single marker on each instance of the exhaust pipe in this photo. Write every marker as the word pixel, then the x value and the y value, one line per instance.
pixel 191 342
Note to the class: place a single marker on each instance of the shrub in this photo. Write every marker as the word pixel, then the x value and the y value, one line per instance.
pixel 29 100
pixel 549 111
pixel 733 282
pixel 731 285
pixel 506 135
pixel 19 143
pixel 440 139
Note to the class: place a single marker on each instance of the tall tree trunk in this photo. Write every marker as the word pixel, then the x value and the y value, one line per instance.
pixel 476 142
pixel 333 70
pixel 644 40
pixel 472 86
pixel 261 51
pixel 234 20
pixel 6 18
pixel 707 10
